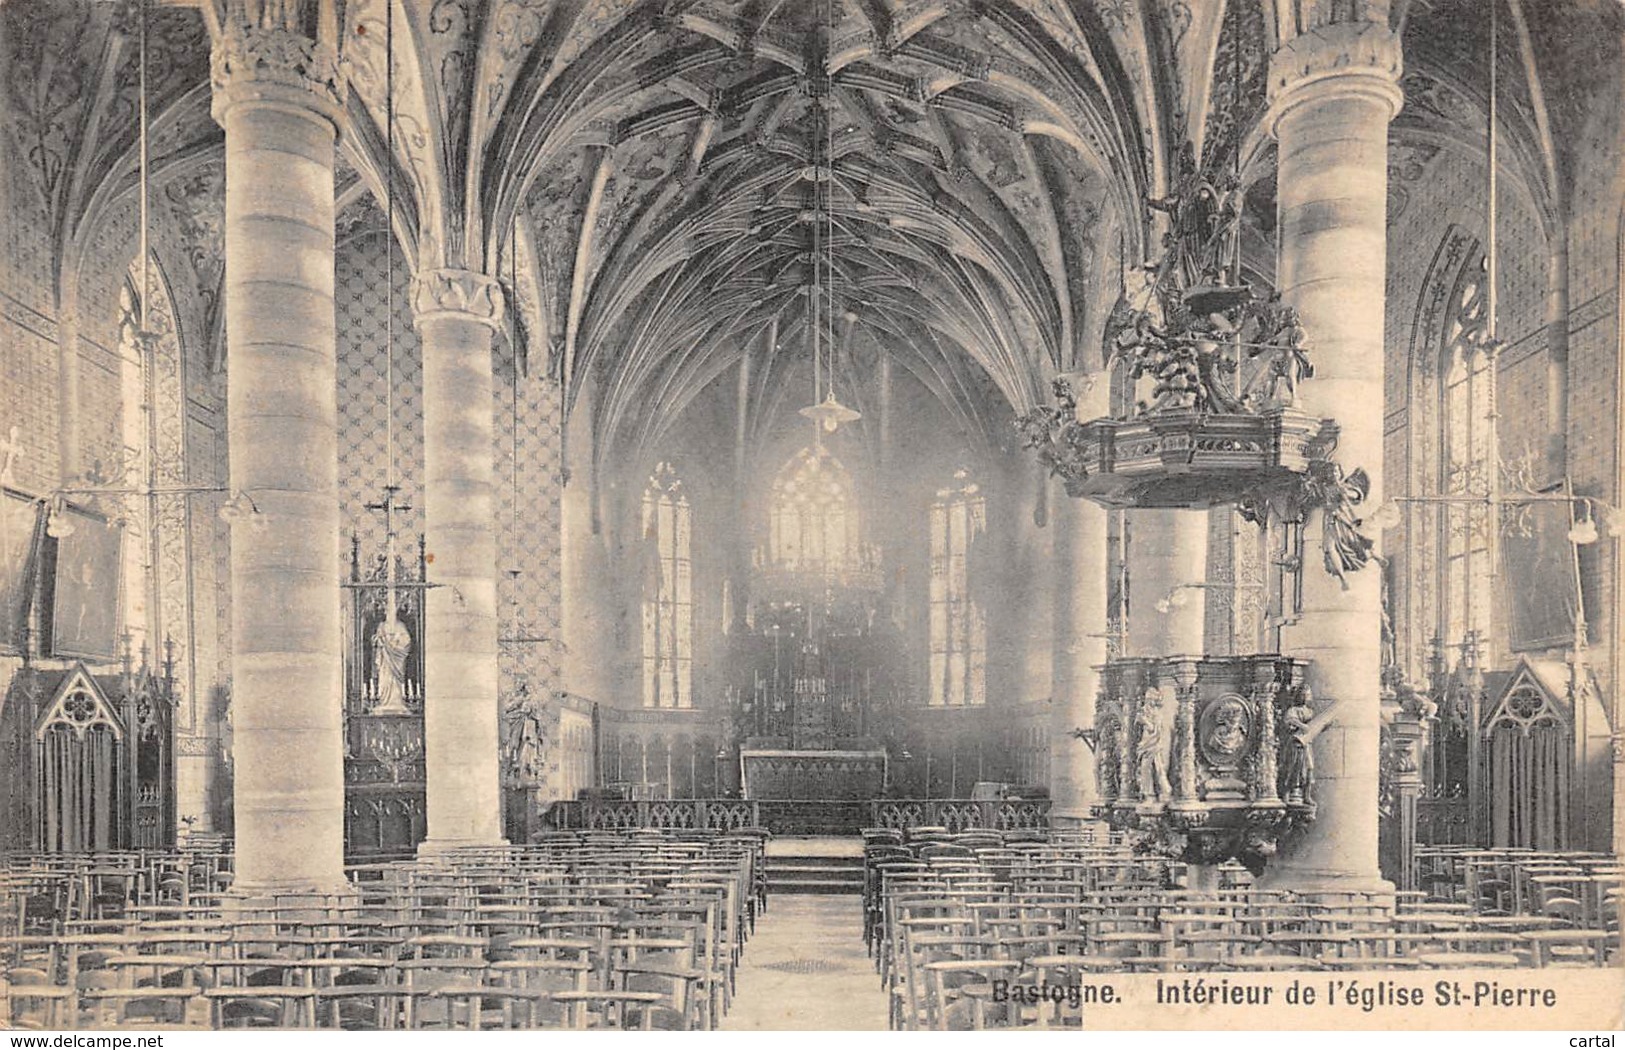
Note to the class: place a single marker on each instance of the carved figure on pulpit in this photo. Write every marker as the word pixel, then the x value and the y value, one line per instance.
pixel 1107 742
pixel 1200 223
pixel 1296 783
pixel 1151 750
pixel 391 647
pixel 1214 366
pixel 1226 727
pixel 1415 703
pixel 1297 760
pixel 1282 336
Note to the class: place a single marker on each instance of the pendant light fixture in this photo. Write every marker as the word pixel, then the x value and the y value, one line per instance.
pixel 827 414
pixel 390 635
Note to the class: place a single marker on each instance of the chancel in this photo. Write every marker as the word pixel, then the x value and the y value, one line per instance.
pixel 525 514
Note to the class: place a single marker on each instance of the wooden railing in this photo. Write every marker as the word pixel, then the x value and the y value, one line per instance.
pixel 803 816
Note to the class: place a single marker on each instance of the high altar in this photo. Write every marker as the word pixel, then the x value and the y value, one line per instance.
pixel 815 672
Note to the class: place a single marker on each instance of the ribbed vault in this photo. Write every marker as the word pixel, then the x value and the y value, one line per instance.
pixel 654 161
pixel 673 208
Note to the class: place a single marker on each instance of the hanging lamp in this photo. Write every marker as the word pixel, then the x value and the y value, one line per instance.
pixel 827 414
pixel 390 636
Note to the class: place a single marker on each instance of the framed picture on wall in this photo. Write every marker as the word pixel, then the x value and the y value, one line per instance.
pixel 86 587
pixel 1538 560
pixel 19 554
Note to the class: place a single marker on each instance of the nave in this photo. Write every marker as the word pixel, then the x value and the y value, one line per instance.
pixel 681 932
pixel 496 496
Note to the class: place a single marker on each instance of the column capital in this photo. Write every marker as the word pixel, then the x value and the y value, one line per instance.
pixel 457 295
pixel 274 66
pixel 1336 60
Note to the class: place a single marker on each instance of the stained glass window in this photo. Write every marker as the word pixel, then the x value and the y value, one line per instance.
pixel 668 593
pixel 958 629
pixel 1465 460
pixel 813 524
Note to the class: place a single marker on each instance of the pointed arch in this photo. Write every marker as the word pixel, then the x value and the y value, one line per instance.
pixel 1466 407
pixel 813 523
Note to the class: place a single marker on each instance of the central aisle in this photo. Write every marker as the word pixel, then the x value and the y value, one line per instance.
pixel 805 967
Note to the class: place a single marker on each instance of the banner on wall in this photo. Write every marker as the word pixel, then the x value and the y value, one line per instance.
pixel 1538 560
pixel 19 549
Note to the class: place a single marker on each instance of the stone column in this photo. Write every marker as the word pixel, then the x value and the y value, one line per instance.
pixel 1080 631
pixel 1167 567
pixel 455 313
pixel 276 94
pixel 1333 90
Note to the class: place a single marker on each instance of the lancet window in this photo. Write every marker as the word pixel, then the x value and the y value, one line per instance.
pixel 813 523
pixel 958 669
pixel 1465 461
pixel 668 592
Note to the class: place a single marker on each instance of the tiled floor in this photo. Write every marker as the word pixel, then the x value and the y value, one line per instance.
pixel 805 968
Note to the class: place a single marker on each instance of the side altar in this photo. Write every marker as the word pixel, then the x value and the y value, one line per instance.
pixel 385 782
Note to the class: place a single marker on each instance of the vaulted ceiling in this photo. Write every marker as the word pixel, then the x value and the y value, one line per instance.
pixel 656 166
pixel 643 172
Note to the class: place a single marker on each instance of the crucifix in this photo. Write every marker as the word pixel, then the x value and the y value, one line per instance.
pixel 391 641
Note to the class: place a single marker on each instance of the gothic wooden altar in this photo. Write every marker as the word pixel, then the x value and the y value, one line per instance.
pixel 384 781
pixel 87 760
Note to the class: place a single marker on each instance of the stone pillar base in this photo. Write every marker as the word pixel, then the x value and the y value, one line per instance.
pixel 1072 821
pixel 441 847
pixel 195 771
pixel 286 893
pixel 1323 884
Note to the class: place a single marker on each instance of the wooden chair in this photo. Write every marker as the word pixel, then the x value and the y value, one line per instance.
pixel 946 980
pixel 604 1008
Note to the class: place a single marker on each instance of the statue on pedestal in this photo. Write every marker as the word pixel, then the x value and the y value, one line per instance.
pixel 391 646
pixel 524 741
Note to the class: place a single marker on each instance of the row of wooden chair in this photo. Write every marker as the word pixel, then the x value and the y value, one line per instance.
pixel 951 921
pixel 577 931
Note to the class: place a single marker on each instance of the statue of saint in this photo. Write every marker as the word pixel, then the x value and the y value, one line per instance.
pixel 1150 750
pixel 391 645
pixel 1296 780
pixel 1201 221
pixel 523 741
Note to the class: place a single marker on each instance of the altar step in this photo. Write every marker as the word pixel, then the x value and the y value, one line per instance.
pixel 815 866
pixel 814 876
